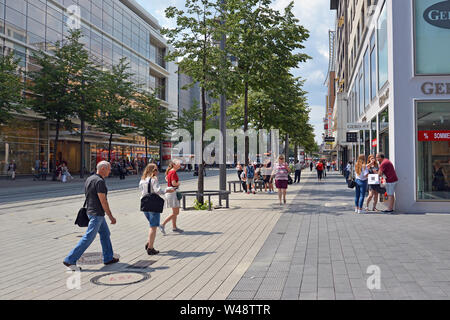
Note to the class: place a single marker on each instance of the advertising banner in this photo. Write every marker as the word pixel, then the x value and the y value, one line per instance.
pixel 435 135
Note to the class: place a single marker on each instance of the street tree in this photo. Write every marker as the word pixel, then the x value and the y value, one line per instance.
pixel 264 43
pixel 116 100
pixel 55 86
pixel 11 87
pixel 195 41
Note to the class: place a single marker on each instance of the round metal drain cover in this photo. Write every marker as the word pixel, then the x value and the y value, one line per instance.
pixel 120 278
pixel 91 258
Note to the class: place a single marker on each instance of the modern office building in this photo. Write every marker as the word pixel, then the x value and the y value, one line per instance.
pixel 393 76
pixel 112 29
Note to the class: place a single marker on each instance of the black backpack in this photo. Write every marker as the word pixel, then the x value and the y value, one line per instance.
pixel 152 202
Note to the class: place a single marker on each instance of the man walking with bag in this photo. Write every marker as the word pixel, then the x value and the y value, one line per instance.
pixel 97 204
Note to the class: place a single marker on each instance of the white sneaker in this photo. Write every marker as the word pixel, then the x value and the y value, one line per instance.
pixel 358 211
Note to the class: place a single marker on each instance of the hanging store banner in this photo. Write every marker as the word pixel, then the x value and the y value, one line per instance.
pixel 436 135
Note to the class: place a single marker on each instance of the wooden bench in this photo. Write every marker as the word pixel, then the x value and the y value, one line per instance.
pixel 234 185
pixel 208 194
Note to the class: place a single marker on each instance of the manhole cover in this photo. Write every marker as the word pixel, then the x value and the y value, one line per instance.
pixel 92 258
pixel 141 264
pixel 120 278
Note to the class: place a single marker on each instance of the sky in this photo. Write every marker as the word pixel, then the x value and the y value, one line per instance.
pixel 317 17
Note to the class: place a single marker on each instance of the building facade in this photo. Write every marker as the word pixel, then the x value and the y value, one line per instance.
pixel 398 88
pixel 112 30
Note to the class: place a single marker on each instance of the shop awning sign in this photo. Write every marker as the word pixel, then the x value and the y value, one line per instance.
pixel 435 135
pixel 358 126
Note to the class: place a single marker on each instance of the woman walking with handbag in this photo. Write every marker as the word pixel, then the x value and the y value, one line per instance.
pixel 281 172
pixel 149 185
pixel 173 199
pixel 361 183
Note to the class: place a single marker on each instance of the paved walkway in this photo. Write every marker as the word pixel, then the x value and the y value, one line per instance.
pixel 312 248
pixel 320 249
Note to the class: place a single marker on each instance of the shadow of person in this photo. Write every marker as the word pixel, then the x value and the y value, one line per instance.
pixel 180 255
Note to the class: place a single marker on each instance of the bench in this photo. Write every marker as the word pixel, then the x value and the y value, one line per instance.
pixel 208 194
pixel 234 185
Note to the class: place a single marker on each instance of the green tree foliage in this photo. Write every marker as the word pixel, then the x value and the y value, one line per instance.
pixel 56 86
pixel 116 99
pixel 11 87
pixel 195 41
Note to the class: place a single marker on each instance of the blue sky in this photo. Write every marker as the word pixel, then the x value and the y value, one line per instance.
pixel 317 17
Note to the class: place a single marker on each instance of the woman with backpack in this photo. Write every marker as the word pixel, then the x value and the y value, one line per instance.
pixel 362 173
pixel 150 179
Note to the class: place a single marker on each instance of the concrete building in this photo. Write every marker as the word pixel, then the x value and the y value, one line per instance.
pixel 112 29
pixel 397 85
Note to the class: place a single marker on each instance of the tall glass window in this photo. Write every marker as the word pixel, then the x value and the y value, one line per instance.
pixel 433 151
pixel 361 92
pixel 373 68
pixel 382 48
pixel 383 132
pixel 366 79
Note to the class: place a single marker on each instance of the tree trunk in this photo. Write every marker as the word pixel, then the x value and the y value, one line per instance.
pixel 83 127
pixel 109 147
pixel 146 152
pixel 286 149
pixel 296 153
pixel 246 152
pixel 201 176
pixel 55 149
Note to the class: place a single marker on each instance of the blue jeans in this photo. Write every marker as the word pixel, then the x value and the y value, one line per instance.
pixel 97 224
pixel 361 189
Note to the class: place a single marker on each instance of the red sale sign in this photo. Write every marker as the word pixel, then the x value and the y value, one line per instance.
pixel 435 135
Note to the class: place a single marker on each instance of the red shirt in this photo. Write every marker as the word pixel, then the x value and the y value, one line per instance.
pixel 172 176
pixel 320 166
pixel 387 168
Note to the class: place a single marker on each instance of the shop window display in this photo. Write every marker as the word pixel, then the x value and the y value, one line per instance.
pixel 433 151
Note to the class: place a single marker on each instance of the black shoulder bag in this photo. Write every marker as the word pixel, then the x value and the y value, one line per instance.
pixel 82 219
pixel 152 202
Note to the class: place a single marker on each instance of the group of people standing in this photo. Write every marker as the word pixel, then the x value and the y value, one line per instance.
pixel 97 207
pixel 384 180
pixel 266 174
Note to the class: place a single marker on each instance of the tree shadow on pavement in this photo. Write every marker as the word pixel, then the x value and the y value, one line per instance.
pixel 200 233
pixel 180 255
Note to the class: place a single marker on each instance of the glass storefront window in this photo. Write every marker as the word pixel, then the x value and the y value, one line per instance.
pixel 432 34
pixel 383 131
pixel 433 151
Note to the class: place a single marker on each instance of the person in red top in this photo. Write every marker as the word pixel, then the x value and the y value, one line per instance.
pixel 319 167
pixel 171 198
pixel 387 168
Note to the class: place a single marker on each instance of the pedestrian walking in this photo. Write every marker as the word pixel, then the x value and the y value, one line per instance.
pixel 12 170
pixel 348 170
pixel 311 165
pixel 362 174
pixel 387 169
pixel 298 171
pixel 324 164
pixel 319 168
pixel 65 174
pixel 149 180
pixel 250 176
pixel 281 172
pixel 97 205
pixel 44 170
pixel 172 201
pixel 239 170
pixel 374 189
pixel 328 166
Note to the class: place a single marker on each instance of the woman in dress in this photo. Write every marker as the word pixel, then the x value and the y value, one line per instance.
pixel 172 201
pixel 150 176
pixel 280 172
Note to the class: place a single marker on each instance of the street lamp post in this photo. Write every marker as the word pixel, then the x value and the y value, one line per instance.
pixel 222 125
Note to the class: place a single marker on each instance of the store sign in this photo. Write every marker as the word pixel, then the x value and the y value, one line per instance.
pixel 374 143
pixel 438 15
pixel 358 126
pixel 429 88
pixel 436 135
pixel 330 139
pixel 352 136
